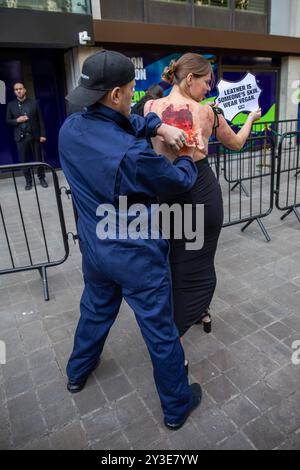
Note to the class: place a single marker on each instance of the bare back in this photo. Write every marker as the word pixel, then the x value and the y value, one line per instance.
pixel 187 115
pixel 191 117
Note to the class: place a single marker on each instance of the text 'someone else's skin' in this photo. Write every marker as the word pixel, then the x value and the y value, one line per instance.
pixel 183 119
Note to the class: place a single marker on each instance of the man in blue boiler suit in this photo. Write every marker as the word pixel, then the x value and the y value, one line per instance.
pixel 105 155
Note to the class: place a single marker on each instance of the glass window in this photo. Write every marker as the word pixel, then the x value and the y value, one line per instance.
pixel 172 1
pixel 212 3
pixel 254 6
pixel 66 6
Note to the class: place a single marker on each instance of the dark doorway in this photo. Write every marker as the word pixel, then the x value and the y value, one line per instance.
pixel 42 72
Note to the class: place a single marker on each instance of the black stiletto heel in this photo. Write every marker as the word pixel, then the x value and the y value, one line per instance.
pixel 207 325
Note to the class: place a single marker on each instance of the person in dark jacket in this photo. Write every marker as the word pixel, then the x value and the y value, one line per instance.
pixel 29 133
pixel 154 92
pixel 105 157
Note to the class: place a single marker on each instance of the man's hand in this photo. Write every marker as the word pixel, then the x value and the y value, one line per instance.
pixel 21 119
pixel 42 140
pixel 186 151
pixel 198 144
pixel 172 136
pixel 199 140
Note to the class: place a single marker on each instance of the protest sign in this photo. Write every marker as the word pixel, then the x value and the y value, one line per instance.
pixel 237 97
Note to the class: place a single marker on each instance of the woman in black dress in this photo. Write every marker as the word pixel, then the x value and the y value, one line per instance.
pixel 193 272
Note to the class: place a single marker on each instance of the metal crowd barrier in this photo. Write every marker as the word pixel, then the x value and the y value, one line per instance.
pixel 30 234
pixel 288 175
pixel 254 164
pixel 253 161
pixel 270 130
pixel 267 130
pixel 275 129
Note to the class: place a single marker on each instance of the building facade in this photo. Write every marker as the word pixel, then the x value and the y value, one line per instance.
pixel 285 21
pixel 238 36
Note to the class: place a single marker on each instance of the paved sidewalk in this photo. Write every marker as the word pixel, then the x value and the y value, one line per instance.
pixel 251 387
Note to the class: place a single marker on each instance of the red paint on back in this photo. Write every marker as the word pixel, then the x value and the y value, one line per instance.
pixel 183 119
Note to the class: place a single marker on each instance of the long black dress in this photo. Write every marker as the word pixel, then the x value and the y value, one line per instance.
pixel 193 272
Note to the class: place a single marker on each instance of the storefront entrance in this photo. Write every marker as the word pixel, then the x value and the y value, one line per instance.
pixel 42 72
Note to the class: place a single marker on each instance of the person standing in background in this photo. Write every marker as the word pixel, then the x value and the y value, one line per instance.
pixel 26 117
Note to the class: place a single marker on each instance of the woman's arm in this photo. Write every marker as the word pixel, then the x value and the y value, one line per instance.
pixel 229 138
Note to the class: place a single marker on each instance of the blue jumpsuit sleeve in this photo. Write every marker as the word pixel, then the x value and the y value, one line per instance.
pixel 144 126
pixel 143 171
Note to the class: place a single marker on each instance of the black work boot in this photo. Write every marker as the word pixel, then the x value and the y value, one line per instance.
pixel 197 396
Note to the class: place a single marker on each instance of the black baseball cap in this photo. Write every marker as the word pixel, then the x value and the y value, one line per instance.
pixel 101 72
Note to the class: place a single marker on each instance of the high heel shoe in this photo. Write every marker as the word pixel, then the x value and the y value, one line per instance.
pixel 206 324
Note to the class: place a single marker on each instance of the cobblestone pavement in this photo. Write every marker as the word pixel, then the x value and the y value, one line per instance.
pixel 251 387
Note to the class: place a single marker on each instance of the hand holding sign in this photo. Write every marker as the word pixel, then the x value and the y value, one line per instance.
pixel 255 115
pixel 237 97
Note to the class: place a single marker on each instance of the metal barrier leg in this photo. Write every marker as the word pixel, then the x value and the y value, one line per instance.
pixel 286 214
pixel 244 189
pixel 262 227
pixel 43 274
pixel 247 225
pixel 296 212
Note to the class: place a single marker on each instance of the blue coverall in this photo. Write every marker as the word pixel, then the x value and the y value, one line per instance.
pixel 104 155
